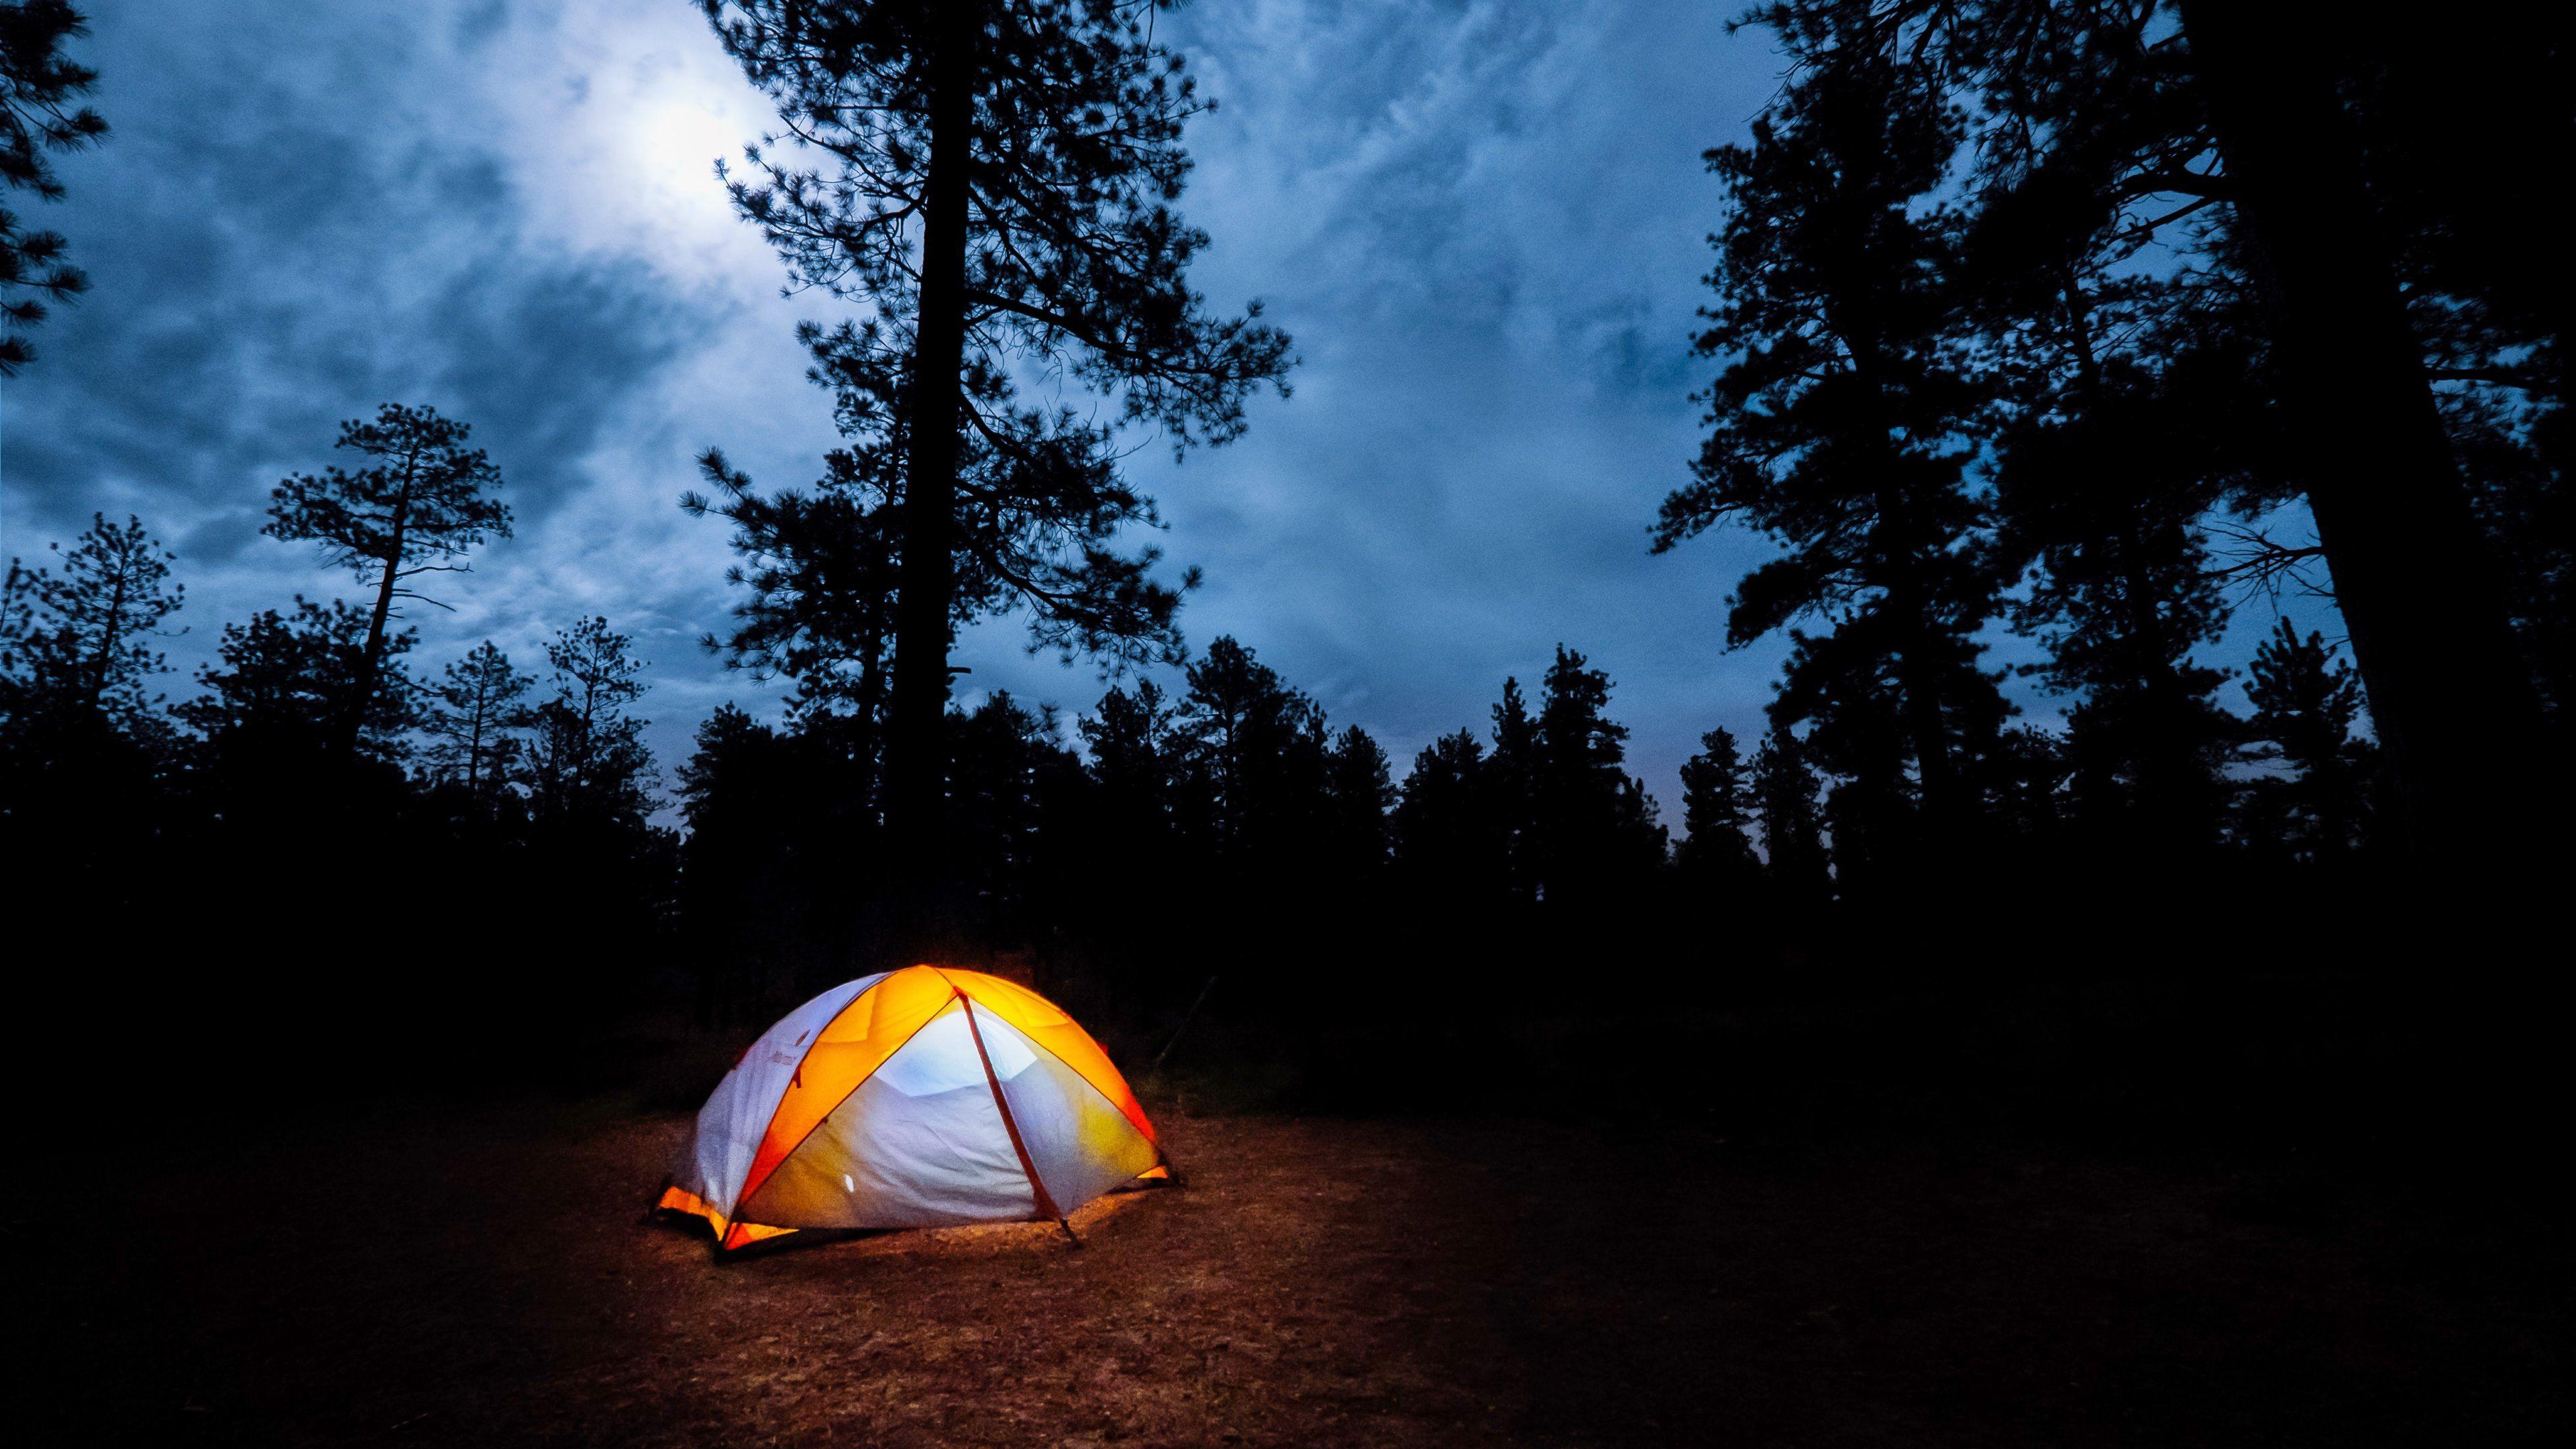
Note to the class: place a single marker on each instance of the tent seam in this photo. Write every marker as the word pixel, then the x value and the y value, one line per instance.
pixel 796 1075
pixel 745 1200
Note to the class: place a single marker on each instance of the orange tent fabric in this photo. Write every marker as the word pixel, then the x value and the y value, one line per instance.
pixel 913 1098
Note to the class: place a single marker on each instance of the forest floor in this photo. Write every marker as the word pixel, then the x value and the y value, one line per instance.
pixel 480 1276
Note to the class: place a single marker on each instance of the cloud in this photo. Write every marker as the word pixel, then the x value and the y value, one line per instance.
pixel 506 212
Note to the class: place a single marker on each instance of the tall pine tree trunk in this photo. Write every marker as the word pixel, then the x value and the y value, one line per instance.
pixel 104 667
pixel 926 585
pixel 371 663
pixel 2448 693
pixel 1933 833
pixel 474 747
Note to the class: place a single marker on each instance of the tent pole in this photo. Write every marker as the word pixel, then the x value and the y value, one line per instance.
pixel 1037 1189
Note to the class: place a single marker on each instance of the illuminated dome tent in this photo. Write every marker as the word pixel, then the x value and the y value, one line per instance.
pixel 918 1098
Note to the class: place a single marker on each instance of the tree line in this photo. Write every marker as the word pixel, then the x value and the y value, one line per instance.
pixel 2024 317
pixel 318 821
pixel 1158 839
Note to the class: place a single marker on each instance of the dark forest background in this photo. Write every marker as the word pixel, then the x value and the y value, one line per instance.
pixel 2021 316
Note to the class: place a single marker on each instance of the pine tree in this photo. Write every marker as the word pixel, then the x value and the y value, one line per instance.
pixel 716 782
pixel 417 509
pixel 38 88
pixel 2104 500
pixel 1451 842
pixel 1133 828
pixel 1511 790
pixel 2322 181
pixel 821 569
pixel 750 886
pixel 1361 792
pixel 2305 703
pixel 1841 428
pixel 1131 736
pixel 77 642
pixel 2118 428
pixel 1784 796
pixel 1005 765
pixel 994 182
pixel 477 720
pixel 1595 827
pixel 281 683
pixel 2449 692
pixel 1254 749
pixel 1717 815
pixel 588 759
pixel 86 752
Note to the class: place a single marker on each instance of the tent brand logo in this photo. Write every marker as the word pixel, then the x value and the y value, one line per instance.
pixel 784 1059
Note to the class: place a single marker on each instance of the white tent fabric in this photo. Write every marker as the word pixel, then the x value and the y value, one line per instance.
pixel 912 1099
pixel 742 1103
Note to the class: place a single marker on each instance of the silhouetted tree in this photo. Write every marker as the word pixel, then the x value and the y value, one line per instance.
pixel 1131 833
pixel 281 684
pixel 77 641
pixel 1131 735
pixel 2305 702
pixel 1595 826
pixel 1841 427
pixel 995 183
pixel 477 721
pixel 1450 841
pixel 1252 752
pixel 2122 595
pixel 715 781
pixel 588 760
pixel 753 894
pixel 1007 771
pixel 2121 417
pixel 1784 796
pixel 1717 812
pixel 821 570
pixel 2487 289
pixel 416 509
pixel 39 86
pixel 1511 790
pixel 85 750
pixel 2449 695
pixel 2030 806
pixel 2281 134
pixel 1360 791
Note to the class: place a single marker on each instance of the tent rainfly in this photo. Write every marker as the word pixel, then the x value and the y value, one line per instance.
pixel 925 1097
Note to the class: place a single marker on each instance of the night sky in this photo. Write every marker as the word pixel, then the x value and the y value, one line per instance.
pixel 1483 223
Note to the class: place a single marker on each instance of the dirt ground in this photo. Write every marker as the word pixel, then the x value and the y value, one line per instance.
pixel 481 1277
